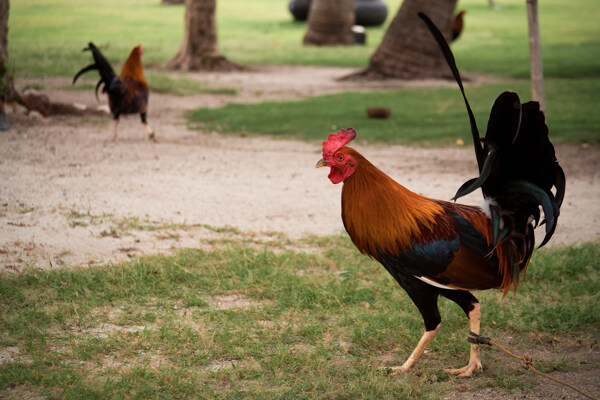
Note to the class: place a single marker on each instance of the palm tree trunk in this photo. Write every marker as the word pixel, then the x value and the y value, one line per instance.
pixel 199 50
pixel 408 51
pixel 330 22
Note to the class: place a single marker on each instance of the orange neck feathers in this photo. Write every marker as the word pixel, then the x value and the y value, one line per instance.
pixel 379 213
pixel 382 215
pixel 133 66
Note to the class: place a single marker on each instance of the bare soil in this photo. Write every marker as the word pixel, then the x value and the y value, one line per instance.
pixel 71 196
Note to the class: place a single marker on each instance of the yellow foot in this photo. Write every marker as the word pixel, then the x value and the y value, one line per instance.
pixel 397 370
pixel 466 371
pixel 152 137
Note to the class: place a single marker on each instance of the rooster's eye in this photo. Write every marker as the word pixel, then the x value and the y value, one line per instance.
pixel 340 157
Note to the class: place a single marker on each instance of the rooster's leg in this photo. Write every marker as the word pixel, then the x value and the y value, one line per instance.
pixel 474 360
pixel 115 124
pixel 149 130
pixel 425 298
pixel 417 352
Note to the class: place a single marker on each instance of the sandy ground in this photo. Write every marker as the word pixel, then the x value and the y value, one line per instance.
pixel 69 195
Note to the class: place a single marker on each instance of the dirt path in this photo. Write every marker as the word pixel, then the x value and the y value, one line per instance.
pixel 68 195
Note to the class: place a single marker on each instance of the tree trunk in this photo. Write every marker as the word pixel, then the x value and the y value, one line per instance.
pixel 408 51
pixel 6 88
pixel 199 49
pixel 535 55
pixel 330 22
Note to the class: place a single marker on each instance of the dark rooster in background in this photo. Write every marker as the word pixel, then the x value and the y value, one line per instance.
pixel 435 247
pixel 128 92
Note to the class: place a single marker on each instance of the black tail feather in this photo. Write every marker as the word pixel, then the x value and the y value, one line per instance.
pixel 475 183
pixel 101 64
pixel 83 71
pixel 441 41
pixel 100 82
pixel 560 182
pixel 521 195
pixel 517 162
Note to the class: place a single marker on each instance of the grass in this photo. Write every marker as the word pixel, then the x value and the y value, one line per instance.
pixel 245 323
pixel 423 116
pixel 46 36
pixel 124 226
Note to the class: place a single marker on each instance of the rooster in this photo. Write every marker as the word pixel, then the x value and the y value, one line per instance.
pixel 458 21
pixel 438 248
pixel 128 92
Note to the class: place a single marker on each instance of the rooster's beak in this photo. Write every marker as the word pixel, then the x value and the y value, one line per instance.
pixel 321 163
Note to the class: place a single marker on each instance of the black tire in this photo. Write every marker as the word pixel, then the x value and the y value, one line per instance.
pixel 299 9
pixel 370 12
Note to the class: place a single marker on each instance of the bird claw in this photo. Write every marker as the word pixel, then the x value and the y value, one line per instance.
pixel 396 370
pixel 466 371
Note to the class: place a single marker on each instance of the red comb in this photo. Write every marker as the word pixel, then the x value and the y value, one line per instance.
pixel 337 140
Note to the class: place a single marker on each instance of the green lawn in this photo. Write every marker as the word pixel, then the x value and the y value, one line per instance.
pixel 419 116
pixel 241 322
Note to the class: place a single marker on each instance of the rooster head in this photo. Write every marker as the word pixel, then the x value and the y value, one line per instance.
pixel 341 164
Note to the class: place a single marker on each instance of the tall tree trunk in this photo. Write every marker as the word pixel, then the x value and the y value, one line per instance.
pixel 199 50
pixel 7 87
pixel 408 51
pixel 5 79
pixel 330 22
pixel 535 55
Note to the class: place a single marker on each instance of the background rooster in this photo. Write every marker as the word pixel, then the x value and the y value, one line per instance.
pixel 458 22
pixel 128 92
pixel 435 247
